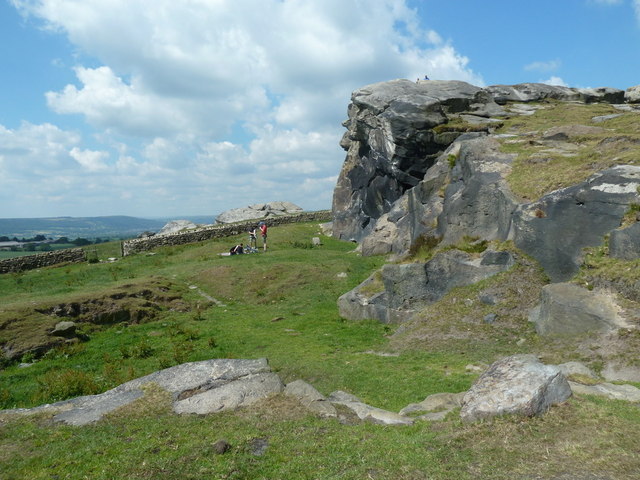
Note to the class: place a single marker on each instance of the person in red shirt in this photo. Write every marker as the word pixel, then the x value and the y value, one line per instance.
pixel 263 233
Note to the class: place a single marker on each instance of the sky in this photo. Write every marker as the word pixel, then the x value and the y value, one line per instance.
pixel 170 108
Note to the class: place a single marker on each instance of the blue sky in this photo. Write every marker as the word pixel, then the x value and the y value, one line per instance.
pixel 191 107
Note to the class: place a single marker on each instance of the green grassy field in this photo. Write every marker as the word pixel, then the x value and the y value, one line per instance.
pixel 280 305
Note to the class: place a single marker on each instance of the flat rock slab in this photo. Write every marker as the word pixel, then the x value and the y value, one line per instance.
pixel 235 380
pixel 628 393
pixel 240 392
pixel 518 384
pixel 367 412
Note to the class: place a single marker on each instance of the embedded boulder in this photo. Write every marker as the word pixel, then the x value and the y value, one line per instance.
pixel 566 308
pixel 518 384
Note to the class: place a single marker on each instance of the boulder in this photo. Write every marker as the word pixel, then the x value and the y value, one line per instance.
pixel 532 92
pixel 366 412
pixel 518 384
pixel 624 243
pixel 632 94
pixel 555 229
pixel 602 95
pixel 64 329
pixel 568 309
pixel 616 372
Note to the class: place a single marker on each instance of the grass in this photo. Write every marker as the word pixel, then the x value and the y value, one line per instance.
pixel 617 144
pixel 282 305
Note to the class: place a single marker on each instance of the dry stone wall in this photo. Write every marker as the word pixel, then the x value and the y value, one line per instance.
pixel 138 245
pixel 39 260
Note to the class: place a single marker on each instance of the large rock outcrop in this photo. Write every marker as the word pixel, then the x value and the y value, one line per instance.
pixel 391 142
pixel 412 174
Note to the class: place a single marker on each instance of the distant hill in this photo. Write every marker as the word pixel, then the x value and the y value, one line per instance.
pixel 119 226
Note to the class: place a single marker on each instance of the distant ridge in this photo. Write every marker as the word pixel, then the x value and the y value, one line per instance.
pixel 117 226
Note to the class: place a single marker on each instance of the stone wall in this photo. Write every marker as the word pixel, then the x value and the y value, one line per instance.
pixel 45 259
pixel 217 231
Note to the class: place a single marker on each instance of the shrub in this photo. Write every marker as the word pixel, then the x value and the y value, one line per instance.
pixel 59 385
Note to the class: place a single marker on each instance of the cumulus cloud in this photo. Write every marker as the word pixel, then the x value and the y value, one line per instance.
pixel 209 105
pixel 92 161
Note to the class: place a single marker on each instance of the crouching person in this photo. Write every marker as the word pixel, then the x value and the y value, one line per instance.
pixel 237 250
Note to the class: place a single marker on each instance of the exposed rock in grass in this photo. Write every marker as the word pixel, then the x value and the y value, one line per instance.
pixel 434 407
pixel 367 412
pixel 310 398
pixel 609 390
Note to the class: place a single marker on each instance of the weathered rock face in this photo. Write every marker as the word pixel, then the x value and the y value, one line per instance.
pixel 555 229
pixel 519 384
pixel 569 309
pixel 478 202
pixel 391 143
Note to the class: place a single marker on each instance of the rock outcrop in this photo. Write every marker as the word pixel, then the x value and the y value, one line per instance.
pixel 394 293
pixel 257 211
pixel 391 143
pixel 422 163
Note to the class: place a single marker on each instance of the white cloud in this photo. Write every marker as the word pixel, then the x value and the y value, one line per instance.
pixel 548 66
pixel 207 103
pixel 433 37
pixel 636 7
pixel 553 80
pixel 607 2
pixel 92 161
